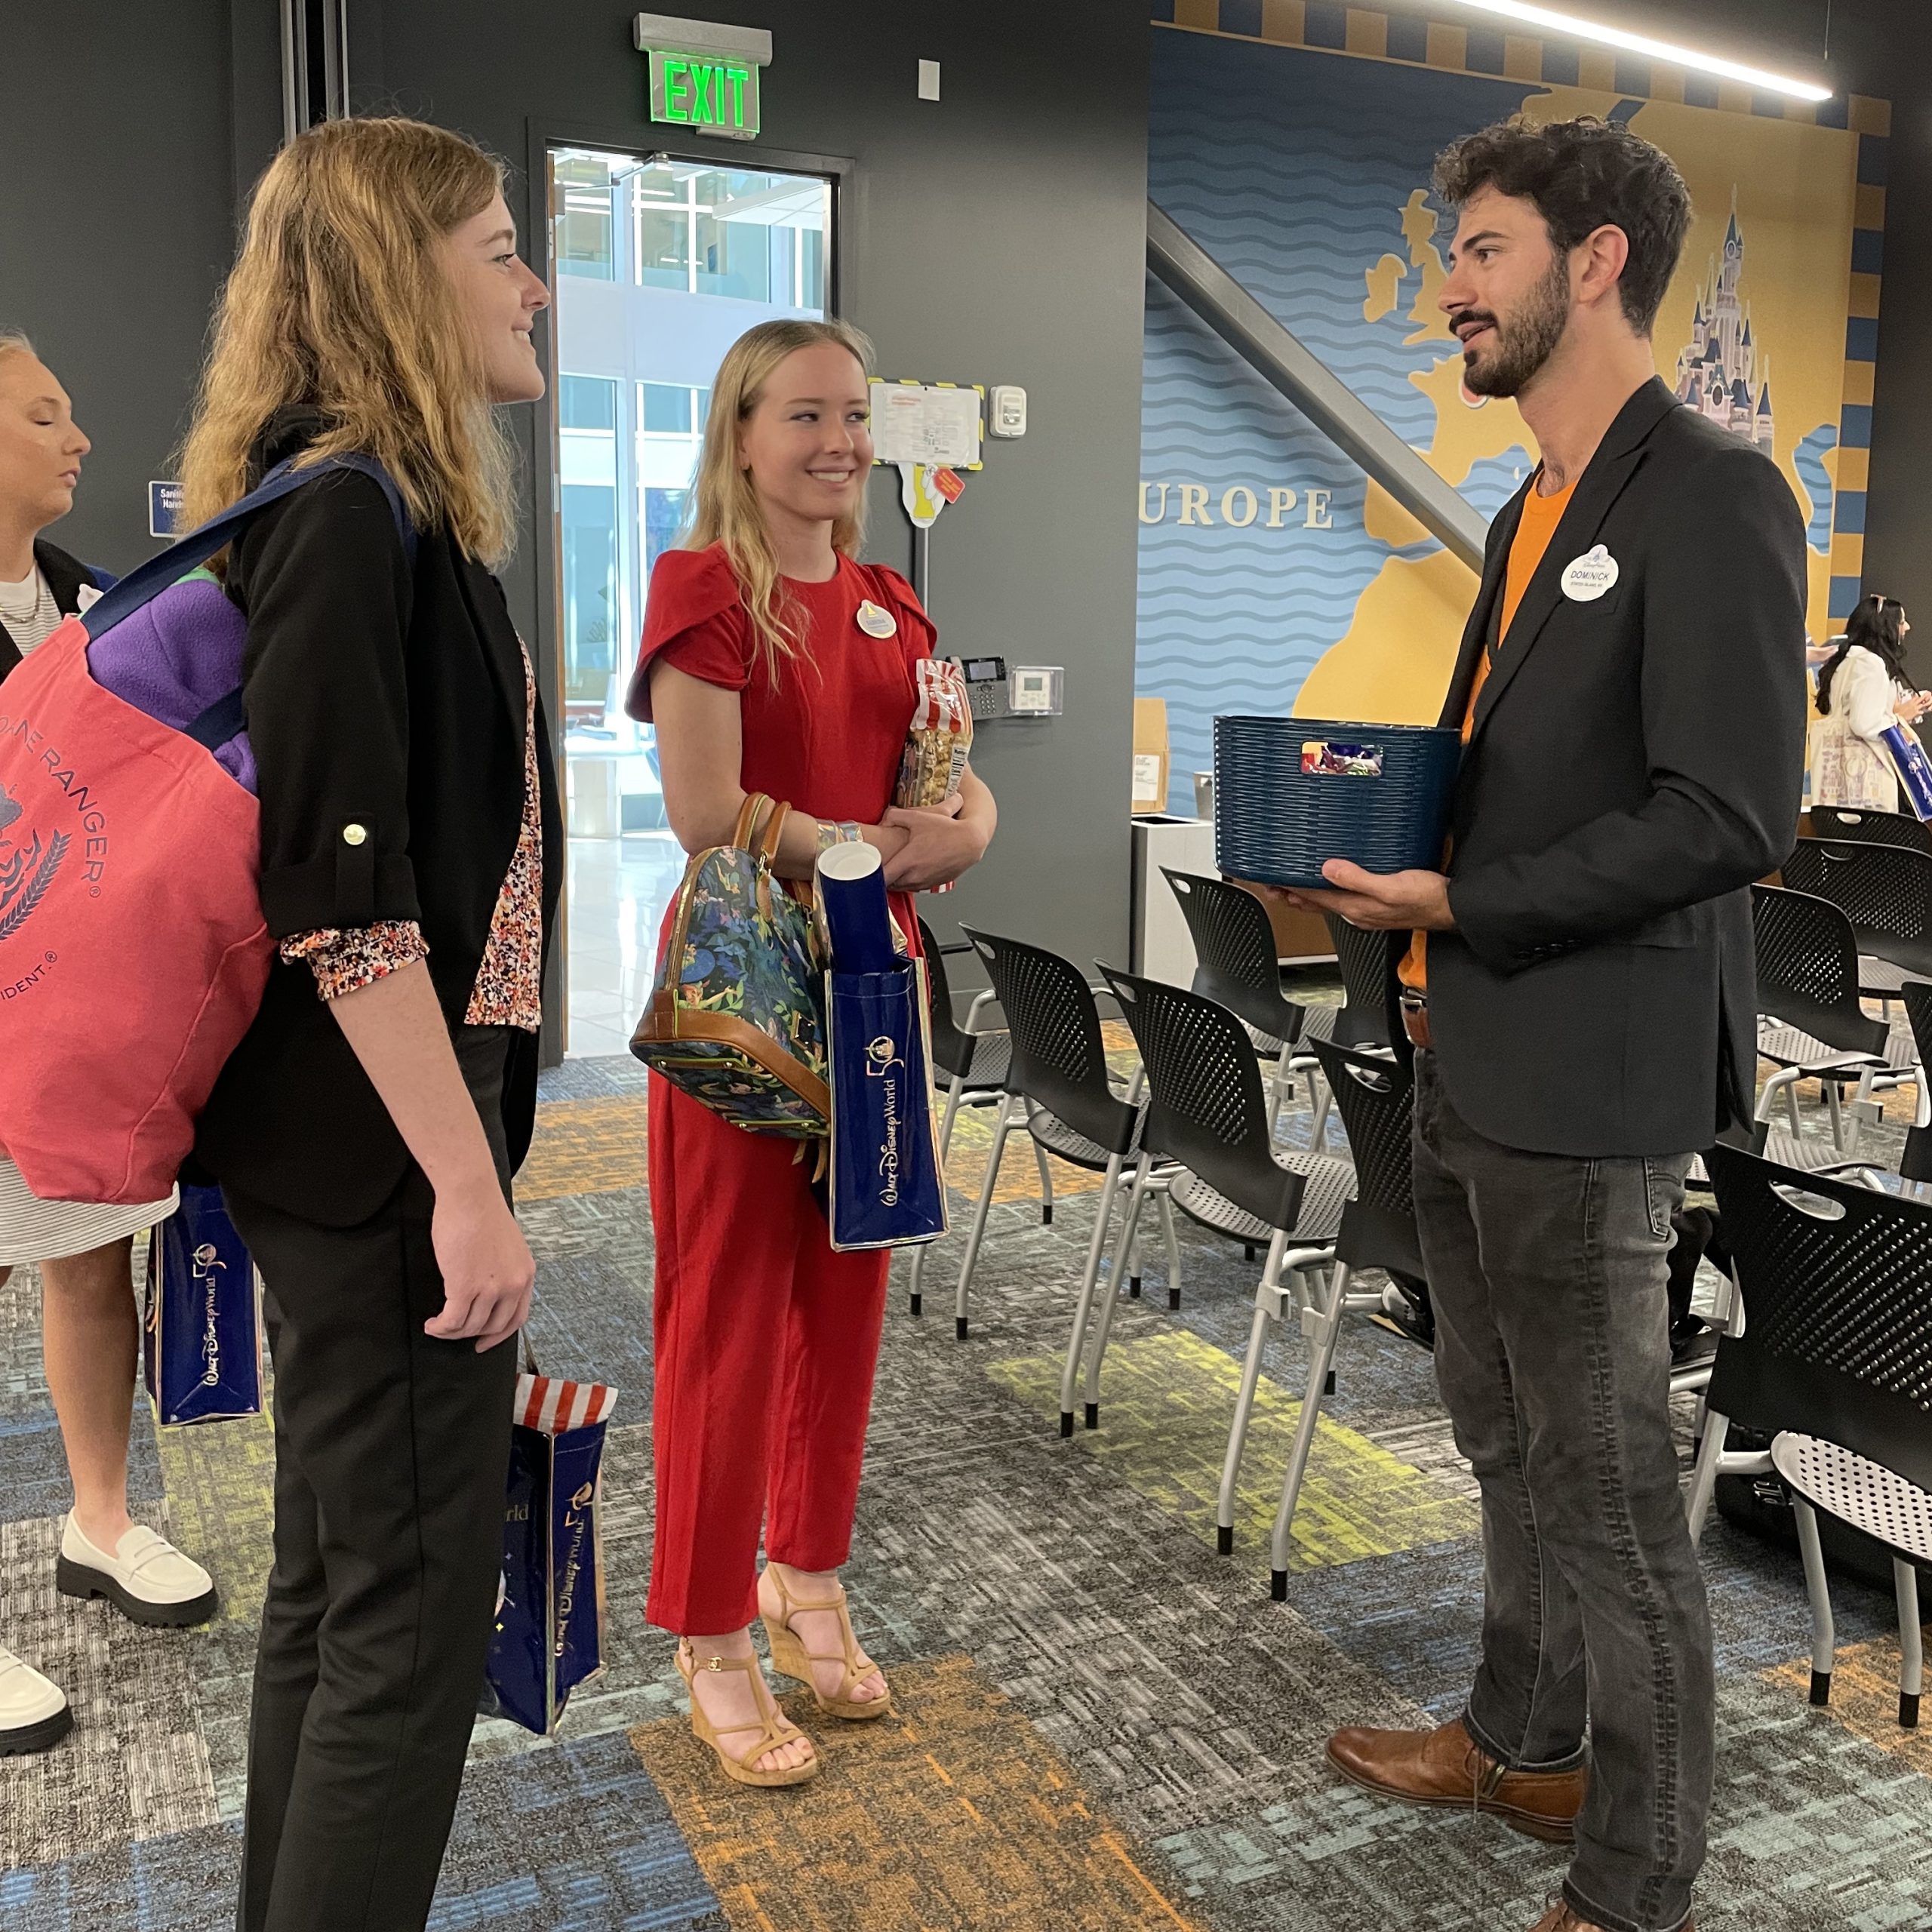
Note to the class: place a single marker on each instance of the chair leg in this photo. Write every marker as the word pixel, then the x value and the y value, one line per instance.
pixel 1835 1106
pixel 1002 1126
pixel 1130 1233
pixel 1266 1302
pixel 1704 1479
pixel 1323 1326
pixel 1045 1167
pixel 1323 1101
pixel 1791 1104
pixel 1911 1641
pixel 1817 1587
pixel 1173 1240
pixel 915 1300
pixel 1083 1307
pixel 1280 1087
pixel 1859 1102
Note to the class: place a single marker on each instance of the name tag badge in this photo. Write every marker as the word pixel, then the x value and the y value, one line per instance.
pixel 876 621
pixel 1590 577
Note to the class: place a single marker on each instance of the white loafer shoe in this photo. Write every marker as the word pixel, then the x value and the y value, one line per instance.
pixel 34 1715
pixel 146 1579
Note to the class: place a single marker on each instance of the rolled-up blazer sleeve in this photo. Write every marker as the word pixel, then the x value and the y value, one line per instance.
pixel 326 584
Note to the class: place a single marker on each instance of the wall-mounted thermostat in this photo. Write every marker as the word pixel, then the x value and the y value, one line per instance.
pixel 1035 690
pixel 1006 412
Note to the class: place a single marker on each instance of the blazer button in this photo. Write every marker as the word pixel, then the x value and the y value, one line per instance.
pixel 354 834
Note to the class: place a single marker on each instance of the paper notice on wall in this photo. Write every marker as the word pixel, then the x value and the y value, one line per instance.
pixel 927 423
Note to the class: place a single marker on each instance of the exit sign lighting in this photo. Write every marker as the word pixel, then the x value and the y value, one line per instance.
pixel 703 92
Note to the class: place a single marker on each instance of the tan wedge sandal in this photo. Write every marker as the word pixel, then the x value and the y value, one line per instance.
pixel 778 1729
pixel 789 1655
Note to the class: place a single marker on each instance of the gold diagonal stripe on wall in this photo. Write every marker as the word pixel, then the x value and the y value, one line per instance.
pixel 953 1811
pixel 1165 1405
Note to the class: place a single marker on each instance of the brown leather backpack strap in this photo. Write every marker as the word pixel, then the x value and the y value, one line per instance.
pixel 741 833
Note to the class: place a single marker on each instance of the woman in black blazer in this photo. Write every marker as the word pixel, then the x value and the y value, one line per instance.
pixel 365 1131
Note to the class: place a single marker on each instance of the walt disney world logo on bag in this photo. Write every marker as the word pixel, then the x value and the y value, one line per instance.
pixel 28 864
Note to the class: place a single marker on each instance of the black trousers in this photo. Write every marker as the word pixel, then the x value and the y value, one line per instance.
pixel 391 1450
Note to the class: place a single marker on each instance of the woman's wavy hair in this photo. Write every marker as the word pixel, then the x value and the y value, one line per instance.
pixel 340 302
pixel 1876 626
pixel 725 508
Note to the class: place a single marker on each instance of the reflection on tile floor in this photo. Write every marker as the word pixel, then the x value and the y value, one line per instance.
pixel 618 888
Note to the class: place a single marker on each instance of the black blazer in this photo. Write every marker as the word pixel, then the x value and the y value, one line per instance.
pixel 1636 762
pixel 391 699
pixel 65 576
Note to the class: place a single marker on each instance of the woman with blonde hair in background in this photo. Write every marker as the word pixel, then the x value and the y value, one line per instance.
pixel 775 662
pixel 90 1327
pixel 366 1129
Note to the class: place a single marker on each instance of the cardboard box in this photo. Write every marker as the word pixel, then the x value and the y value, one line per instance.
pixel 1150 754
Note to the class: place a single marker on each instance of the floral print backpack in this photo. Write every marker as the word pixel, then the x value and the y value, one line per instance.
pixel 736 1017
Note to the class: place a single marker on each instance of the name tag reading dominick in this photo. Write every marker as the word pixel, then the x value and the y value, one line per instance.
pixel 1590 577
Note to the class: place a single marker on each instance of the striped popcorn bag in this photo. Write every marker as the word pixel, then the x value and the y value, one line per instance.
pixel 550 1606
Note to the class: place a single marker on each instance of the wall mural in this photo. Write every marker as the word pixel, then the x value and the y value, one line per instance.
pixel 1273 575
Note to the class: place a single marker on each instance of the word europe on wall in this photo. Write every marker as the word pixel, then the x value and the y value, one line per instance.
pixel 1272 508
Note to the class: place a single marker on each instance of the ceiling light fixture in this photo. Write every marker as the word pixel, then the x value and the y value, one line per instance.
pixel 1656 50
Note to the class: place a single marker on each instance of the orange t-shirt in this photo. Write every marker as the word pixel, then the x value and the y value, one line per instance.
pixel 1541 515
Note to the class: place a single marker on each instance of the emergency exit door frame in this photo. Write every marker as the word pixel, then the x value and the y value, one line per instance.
pixel 841 173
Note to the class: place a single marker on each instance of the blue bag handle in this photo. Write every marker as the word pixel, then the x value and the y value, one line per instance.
pixel 144 584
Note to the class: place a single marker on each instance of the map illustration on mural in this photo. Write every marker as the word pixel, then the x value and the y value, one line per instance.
pixel 1304 173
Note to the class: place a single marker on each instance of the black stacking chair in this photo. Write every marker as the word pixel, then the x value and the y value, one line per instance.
pixel 1367 960
pixel 1852 823
pixel 1236 965
pixel 1915 1158
pixel 1206 1112
pixel 973 1060
pixel 1810 1025
pixel 1886 892
pixel 1835 1363
pixel 1057 1072
pixel 1375 1098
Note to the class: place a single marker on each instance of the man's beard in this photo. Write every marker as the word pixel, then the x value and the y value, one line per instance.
pixel 1526 341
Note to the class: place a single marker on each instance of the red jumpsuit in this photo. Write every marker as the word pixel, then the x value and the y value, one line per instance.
pixel 765 1340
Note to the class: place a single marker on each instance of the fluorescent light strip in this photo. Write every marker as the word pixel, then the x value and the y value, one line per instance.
pixel 1657 50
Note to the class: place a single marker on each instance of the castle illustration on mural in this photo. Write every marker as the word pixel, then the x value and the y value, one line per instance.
pixel 1717 373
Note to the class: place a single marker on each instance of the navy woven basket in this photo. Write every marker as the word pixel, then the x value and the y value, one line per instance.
pixel 1290 792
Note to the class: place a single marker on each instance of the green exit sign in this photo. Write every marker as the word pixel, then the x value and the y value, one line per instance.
pixel 703 91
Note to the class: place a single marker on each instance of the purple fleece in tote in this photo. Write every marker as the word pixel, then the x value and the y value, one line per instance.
pixel 175 657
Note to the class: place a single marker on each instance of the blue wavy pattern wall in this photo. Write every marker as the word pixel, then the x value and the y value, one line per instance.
pixel 1292 169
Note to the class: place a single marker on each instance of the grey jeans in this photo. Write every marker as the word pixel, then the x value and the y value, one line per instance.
pixel 1548 1275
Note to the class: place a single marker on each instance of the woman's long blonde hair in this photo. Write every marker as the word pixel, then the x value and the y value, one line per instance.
pixel 340 301
pixel 724 506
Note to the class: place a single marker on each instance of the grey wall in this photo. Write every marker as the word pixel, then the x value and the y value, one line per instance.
pixel 116 225
pixel 996 235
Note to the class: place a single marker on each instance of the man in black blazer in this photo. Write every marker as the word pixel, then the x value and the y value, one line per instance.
pixel 1632 690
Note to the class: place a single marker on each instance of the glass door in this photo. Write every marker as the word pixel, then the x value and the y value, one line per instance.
pixel 661 265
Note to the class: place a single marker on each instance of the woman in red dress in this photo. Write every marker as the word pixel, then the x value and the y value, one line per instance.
pixel 773 661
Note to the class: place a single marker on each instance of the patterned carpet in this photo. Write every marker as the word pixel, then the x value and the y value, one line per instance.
pixel 1098 1724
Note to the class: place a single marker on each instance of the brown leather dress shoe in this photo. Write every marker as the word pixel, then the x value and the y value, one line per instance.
pixel 1562 1917
pixel 1446 1768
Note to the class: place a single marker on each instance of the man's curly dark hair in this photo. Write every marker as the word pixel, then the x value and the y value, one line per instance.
pixel 1583 175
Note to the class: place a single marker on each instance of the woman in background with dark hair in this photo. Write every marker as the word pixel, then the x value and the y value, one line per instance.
pixel 1863 688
